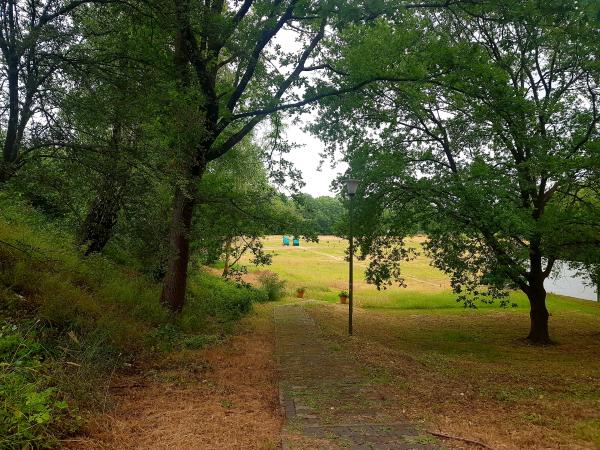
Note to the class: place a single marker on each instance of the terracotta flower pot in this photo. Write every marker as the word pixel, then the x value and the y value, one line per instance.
pixel 343 299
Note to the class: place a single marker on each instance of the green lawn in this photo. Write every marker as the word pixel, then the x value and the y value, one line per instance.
pixel 321 268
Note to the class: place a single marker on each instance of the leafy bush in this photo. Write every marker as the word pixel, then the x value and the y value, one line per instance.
pixel 213 300
pixel 272 285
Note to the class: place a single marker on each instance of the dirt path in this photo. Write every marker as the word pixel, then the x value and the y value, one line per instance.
pixel 329 401
pixel 221 398
pixel 230 396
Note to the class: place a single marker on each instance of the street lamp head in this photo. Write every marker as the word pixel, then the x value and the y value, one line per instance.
pixel 351 186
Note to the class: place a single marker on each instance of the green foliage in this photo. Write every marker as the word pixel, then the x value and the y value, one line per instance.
pixel 200 341
pixel 236 210
pixel 84 319
pixel 325 215
pixel 31 412
pixel 169 337
pixel 477 123
pixel 272 285
pixel 214 301
pixel 165 337
pixel 481 135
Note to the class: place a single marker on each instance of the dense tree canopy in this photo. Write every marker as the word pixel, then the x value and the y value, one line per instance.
pixel 495 154
pixel 474 122
pixel 234 73
pixel 323 213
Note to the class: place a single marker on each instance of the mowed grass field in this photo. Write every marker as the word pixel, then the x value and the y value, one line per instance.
pixel 467 373
pixel 321 268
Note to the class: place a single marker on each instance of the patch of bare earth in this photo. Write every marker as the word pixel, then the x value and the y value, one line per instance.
pixel 223 397
pixel 252 278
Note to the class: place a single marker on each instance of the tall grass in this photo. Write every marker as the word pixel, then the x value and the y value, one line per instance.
pixel 74 321
pixel 272 285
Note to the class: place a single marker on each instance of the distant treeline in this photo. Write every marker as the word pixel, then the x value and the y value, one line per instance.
pixel 323 215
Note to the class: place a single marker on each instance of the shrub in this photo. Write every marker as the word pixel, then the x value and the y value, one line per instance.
pixel 31 413
pixel 215 300
pixel 272 285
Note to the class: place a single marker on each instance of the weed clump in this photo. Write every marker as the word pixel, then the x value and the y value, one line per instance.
pixel 32 411
pixel 273 287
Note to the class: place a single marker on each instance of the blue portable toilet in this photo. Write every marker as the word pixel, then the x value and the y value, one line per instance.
pixel 286 241
pixel 296 242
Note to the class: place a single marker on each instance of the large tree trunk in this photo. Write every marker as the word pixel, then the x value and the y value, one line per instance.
pixel 538 314
pixel 98 226
pixel 11 144
pixel 536 293
pixel 175 281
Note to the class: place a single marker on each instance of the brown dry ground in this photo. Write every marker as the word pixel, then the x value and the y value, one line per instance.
pixel 224 397
pixel 471 374
pixel 462 373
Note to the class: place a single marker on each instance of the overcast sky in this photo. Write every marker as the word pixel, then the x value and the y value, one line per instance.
pixel 307 159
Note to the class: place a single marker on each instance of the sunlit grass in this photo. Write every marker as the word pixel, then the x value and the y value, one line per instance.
pixel 322 269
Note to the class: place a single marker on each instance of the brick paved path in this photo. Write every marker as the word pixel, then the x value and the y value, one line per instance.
pixel 328 401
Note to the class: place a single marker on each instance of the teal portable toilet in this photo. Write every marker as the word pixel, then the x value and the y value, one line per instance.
pixel 286 241
pixel 296 242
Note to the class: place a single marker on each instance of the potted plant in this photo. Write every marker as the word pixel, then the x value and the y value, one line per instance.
pixel 300 292
pixel 343 297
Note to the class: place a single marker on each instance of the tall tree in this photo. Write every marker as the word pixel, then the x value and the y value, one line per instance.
pixel 498 160
pixel 234 212
pixel 237 66
pixel 117 91
pixel 34 38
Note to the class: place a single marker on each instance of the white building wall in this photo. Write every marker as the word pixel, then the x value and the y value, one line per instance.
pixel 566 281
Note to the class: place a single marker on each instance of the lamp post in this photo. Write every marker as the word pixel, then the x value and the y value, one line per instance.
pixel 351 186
